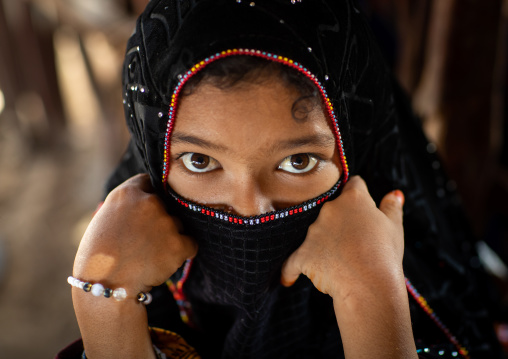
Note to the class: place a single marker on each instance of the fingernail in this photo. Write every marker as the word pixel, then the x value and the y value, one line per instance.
pixel 286 283
pixel 400 196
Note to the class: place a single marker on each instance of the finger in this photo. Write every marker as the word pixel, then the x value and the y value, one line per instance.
pixel 290 270
pixel 355 183
pixel 391 205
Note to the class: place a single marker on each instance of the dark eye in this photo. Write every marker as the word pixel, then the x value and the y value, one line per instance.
pixel 299 163
pixel 198 162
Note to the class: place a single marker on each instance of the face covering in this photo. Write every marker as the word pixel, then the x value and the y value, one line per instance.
pixel 237 273
pixel 231 289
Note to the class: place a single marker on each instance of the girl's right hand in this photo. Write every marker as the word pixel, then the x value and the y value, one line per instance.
pixel 132 242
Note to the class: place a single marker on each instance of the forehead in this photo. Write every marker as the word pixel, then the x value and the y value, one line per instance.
pixel 264 107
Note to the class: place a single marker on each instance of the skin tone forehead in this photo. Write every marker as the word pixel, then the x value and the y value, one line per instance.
pixel 248 110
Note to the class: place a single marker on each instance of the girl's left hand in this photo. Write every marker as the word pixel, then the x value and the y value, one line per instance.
pixel 351 240
pixel 353 252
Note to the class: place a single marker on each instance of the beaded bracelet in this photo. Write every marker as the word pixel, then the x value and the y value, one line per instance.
pixel 98 289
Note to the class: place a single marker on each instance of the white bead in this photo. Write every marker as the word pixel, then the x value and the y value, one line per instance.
pixel 119 294
pixel 70 280
pixel 76 282
pixel 97 289
pixel 148 299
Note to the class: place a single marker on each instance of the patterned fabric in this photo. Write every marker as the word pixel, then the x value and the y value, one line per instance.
pixel 172 345
pixel 166 345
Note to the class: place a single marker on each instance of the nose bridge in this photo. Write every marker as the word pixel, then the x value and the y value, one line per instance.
pixel 247 197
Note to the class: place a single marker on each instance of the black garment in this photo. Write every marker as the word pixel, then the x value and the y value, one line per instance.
pixel 383 142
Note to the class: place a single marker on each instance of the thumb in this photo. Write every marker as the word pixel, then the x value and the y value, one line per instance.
pixel 391 205
pixel 290 270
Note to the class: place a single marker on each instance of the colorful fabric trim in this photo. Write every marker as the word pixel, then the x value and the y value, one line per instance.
pixel 267 217
pixel 176 289
pixel 422 302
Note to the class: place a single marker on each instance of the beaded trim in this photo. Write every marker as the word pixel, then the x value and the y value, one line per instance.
pixel 263 218
pixel 176 289
pixel 422 302
pixel 268 56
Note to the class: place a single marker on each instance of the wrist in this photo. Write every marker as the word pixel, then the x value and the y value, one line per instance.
pixel 369 281
pixel 371 314
pixel 110 328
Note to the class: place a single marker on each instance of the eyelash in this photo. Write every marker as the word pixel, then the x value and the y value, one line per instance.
pixel 317 168
pixel 177 159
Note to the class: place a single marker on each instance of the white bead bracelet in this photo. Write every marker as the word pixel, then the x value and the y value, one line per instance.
pixel 98 289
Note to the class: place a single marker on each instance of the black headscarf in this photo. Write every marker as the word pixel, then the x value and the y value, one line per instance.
pixel 382 141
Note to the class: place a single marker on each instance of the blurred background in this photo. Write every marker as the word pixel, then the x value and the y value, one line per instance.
pixel 62 132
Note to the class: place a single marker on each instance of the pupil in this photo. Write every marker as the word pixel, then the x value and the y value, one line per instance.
pixel 300 162
pixel 200 161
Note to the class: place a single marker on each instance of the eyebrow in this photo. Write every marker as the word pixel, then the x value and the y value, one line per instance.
pixel 186 138
pixel 319 140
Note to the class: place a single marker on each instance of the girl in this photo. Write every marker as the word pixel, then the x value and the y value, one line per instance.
pixel 251 120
